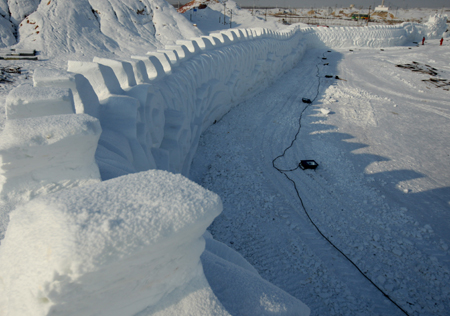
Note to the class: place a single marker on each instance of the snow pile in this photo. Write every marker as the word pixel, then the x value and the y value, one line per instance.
pixel 113 248
pixel 371 36
pixel 7 37
pixel 87 27
pixel 26 101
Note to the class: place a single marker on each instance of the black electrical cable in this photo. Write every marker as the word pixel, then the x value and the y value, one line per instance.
pixel 301 200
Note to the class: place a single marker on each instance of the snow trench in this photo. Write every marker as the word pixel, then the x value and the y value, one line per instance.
pixel 152 110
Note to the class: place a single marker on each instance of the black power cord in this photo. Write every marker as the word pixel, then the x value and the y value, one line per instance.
pixel 282 171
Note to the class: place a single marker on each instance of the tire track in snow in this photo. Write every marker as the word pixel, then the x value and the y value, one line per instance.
pixel 347 273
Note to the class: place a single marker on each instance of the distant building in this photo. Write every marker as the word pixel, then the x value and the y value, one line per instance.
pixel 381 8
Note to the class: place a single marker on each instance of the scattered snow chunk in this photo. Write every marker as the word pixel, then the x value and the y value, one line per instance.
pixel 397 251
pixel 325 111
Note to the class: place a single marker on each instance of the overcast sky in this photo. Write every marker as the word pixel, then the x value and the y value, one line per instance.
pixel 341 3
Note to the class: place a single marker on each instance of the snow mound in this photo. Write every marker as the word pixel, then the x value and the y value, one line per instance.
pixel 88 27
pixel 113 248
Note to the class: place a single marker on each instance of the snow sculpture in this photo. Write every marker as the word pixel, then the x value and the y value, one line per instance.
pixel 135 240
pixel 26 101
pixel 184 94
pixel 101 77
pixel 155 68
pixel 45 154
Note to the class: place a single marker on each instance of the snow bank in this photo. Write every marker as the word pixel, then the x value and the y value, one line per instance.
pixel 113 248
pixel 7 37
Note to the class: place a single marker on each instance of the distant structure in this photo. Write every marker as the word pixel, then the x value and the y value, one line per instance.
pixel 381 8
pixel 194 4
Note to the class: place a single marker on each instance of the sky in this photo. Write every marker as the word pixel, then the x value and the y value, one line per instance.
pixel 341 3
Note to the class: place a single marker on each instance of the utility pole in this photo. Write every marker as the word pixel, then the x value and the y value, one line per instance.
pixel 231 18
pixel 368 17
pixel 224 8
pixel 265 18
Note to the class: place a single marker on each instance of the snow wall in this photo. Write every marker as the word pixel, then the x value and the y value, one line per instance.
pixel 152 110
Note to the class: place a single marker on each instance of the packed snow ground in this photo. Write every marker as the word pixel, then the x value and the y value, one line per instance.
pixel 380 193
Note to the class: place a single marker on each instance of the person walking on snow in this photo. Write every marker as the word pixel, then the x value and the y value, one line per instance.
pixel 440 42
pixel 423 40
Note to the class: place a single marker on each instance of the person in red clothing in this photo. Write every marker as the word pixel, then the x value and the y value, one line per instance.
pixel 440 42
pixel 423 40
